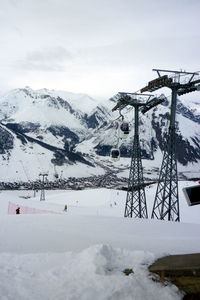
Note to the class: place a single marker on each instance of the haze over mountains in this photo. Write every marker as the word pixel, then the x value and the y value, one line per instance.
pixel 46 129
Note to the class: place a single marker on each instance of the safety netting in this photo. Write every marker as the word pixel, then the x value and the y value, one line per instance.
pixel 14 209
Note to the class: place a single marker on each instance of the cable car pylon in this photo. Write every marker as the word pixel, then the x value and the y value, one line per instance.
pixel 166 203
pixel 44 177
pixel 136 198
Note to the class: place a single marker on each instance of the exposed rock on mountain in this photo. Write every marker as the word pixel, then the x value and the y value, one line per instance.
pixel 45 129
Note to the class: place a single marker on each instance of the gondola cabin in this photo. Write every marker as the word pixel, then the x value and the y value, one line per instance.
pixel 115 154
pixel 56 175
pixel 123 130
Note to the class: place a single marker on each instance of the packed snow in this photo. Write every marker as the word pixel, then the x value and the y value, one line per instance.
pixel 81 253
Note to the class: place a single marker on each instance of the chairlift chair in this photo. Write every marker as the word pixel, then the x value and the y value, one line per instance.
pixel 115 154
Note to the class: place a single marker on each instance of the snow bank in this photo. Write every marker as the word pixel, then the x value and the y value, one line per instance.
pixel 94 273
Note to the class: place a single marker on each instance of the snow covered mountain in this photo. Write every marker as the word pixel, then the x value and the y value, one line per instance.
pixel 47 130
pixel 153 130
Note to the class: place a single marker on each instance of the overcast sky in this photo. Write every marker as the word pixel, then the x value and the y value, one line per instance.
pixel 98 47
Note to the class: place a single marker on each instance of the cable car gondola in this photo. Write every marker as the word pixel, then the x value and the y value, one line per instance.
pixel 123 130
pixel 115 154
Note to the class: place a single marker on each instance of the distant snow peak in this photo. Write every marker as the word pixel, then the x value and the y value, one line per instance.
pixel 71 128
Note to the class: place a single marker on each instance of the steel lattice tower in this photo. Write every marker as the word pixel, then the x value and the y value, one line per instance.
pixel 42 195
pixel 166 203
pixel 136 199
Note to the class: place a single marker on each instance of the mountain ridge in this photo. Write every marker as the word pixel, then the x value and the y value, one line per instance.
pixel 44 118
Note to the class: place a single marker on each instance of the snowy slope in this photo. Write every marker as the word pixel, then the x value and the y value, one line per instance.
pixel 193 106
pixel 81 102
pixel 25 163
pixel 81 253
pixel 43 107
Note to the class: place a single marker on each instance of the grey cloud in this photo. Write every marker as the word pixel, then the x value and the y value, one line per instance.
pixel 137 52
pixel 51 59
pixel 112 43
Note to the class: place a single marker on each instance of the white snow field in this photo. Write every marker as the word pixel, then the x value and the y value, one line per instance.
pixel 81 253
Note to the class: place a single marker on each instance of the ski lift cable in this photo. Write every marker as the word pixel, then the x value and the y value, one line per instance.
pixel 38 159
pixel 126 111
pixel 121 114
pixel 25 171
pixel 114 120
pixel 120 133
pixel 115 151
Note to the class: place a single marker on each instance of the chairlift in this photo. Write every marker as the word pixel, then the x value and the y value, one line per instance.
pixel 115 154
